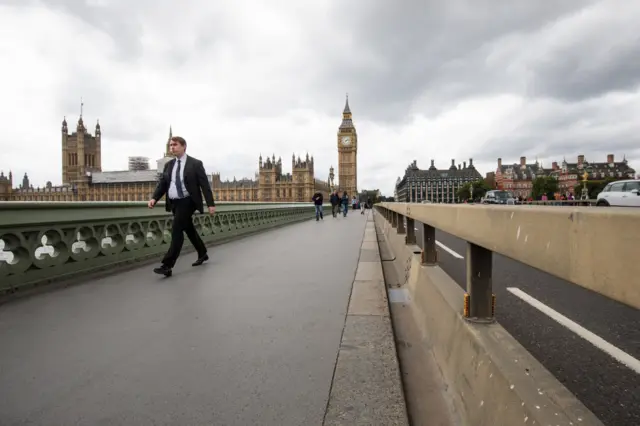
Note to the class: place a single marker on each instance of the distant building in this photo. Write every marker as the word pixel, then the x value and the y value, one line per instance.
pixel 490 179
pixel 84 180
pixel 271 184
pixel 347 153
pixel 395 188
pixel 138 163
pixel 82 175
pixel 434 185
pixel 518 178
pixel 571 174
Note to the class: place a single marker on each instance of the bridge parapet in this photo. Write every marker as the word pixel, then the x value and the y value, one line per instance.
pixel 591 247
pixel 42 242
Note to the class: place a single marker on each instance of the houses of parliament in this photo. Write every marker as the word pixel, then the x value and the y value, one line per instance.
pixel 84 180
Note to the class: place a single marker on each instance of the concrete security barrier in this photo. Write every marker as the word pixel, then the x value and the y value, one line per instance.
pixel 590 247
pixel 493 380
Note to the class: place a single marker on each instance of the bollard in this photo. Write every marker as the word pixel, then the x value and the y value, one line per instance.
pixel 429 253
pixel 479 283
pixel 401 229
pixel 411 231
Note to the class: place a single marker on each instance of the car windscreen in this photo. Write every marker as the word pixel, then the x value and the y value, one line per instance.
pixel 503 195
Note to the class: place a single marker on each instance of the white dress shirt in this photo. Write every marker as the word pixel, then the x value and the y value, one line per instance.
pixel 173 191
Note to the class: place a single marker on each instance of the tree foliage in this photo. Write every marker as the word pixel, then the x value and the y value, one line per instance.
pixel 594 187
pixel 480 188
pixel 544 185
pixel 369 194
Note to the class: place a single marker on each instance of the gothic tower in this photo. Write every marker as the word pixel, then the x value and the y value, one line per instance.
pixel 81 152
pixel 167 150
pixel 347 154
pixel 269 177
pixel 303 177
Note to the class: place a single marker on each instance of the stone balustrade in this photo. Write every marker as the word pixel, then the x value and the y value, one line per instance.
pixel 42 242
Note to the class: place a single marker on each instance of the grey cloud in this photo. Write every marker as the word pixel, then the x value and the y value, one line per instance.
pixel 439 50
pixel 574 75
pixel 394 58
pixel 540 144
pixel 563 130
pixel 120 19
pixel 408 56
pixel 390 54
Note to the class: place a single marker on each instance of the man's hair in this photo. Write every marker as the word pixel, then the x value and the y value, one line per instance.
pixel 180 140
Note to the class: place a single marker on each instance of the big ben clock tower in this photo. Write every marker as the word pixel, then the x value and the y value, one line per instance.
pixel 347 154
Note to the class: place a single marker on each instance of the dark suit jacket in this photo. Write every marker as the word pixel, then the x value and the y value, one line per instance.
pixel 195 180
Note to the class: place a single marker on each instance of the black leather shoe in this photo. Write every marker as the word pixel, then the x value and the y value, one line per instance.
pixel 200 260
pixel 163 270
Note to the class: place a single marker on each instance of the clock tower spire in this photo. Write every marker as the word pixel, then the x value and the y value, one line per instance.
pixel 347 153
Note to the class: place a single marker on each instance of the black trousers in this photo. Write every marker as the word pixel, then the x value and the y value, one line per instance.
pixel 183 210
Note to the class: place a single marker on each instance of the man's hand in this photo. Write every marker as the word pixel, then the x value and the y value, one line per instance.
pixel 212 209
pixel 152 203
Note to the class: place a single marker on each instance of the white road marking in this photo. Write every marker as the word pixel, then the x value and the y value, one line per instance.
pixel 594 339
pixel 447 249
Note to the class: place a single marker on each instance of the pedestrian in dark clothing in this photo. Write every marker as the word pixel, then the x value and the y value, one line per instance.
pixel 183 182
pixel 318 200
pixel 335 203
pixel 345 203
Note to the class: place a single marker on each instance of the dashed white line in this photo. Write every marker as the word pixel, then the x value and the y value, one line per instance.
pixel 447 249
pixel 590 337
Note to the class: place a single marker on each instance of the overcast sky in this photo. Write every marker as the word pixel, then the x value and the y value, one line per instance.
pixel 429 79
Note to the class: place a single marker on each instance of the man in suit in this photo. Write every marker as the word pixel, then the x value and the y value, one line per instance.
pixel 183 181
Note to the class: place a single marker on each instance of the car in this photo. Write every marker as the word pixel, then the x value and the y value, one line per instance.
pixel 621 193
pixel 499 197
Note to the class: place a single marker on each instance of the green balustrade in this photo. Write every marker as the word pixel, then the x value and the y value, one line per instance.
pixel 42 242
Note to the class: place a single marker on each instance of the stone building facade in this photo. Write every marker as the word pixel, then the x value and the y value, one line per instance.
pixel 82 175
pixel 434 185
pixel 272 184
pixel 84 180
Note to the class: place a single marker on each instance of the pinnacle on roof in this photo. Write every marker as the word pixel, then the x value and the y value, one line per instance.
pixel 347 110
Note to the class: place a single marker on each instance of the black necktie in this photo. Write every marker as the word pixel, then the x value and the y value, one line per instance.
pixel 179 182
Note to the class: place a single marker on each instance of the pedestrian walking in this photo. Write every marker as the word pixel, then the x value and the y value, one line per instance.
pixel 183 181
pixel 318 200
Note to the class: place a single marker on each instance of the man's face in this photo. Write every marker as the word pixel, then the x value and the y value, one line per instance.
pixel 176 148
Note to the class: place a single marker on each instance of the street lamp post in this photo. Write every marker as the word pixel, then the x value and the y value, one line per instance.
pixel 585 191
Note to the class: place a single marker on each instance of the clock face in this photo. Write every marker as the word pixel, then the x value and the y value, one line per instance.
pixel 346 140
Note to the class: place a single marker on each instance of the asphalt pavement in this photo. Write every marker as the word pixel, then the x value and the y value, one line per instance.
pixel 607 387
pixel 249 338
